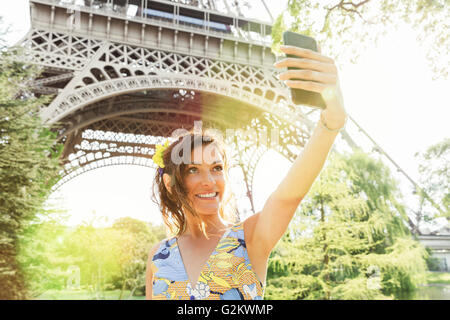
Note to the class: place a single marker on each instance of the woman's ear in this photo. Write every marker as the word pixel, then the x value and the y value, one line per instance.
pixel 167 182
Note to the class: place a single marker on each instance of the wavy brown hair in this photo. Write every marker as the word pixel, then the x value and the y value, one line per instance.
pixel 174 205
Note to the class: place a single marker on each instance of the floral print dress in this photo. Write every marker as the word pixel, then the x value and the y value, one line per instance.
pixel 226 275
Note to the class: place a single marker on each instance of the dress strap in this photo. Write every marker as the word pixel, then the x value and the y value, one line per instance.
pixel 238 227
pixel 226 233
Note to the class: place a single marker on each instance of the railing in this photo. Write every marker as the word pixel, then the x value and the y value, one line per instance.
pixel 136 13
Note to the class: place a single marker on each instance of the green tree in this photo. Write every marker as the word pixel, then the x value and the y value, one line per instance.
pixel 337 24
pixel 97 253
pixel 349 238
pixel 112 257
pixel 434 169
pixel 42 256
pixel 138 237
pixel 28 165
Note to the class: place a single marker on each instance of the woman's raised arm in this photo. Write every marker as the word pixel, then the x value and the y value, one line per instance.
pixel 318 74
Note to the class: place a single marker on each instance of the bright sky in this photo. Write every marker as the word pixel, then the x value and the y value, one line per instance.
pixel 390 93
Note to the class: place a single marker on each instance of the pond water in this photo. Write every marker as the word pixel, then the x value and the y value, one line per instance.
pixel 432 292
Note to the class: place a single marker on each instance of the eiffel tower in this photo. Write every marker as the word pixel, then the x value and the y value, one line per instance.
pixel 126 73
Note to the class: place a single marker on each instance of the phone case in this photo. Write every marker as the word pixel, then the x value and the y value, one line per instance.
pixel 300 96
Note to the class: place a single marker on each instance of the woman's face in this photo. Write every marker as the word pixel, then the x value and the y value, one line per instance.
pixel 205 181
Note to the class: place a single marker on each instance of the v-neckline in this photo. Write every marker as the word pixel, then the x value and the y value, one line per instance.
pixel 204 264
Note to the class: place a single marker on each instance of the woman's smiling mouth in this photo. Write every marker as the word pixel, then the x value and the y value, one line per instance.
pixel 207 196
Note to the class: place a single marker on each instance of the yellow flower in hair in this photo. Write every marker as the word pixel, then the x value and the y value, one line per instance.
pixel 158 156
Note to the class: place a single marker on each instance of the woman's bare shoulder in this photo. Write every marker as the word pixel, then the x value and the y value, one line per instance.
pixel 149 272
pixel 155 248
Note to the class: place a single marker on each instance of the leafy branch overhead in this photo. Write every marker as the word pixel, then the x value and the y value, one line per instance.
pixel 346 28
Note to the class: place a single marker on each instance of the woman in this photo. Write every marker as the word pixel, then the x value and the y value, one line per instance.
pixel 211 258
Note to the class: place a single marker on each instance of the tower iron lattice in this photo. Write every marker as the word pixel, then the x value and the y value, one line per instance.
pixel 125 74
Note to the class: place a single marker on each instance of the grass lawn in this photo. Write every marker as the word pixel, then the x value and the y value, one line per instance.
pixel 85 295
pixel 438 277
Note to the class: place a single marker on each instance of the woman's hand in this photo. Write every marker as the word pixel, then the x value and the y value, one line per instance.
pixel 318 74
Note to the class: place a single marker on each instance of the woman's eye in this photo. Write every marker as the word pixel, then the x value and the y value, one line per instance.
pixel 195 169
pixel 192 170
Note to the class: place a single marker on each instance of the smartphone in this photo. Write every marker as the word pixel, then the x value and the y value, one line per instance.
pixel 300 96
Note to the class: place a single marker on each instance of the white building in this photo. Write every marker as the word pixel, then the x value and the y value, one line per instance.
pixel 438 240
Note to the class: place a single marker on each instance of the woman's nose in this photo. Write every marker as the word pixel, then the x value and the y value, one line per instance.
pixel 208 179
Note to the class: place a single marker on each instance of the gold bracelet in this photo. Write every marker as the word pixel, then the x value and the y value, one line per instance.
pixel 331 130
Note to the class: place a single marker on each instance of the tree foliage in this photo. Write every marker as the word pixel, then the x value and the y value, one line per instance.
pixel 97 253
pixel 41 252
pixel 337 24
pixel 349 238
pixel 107 258
pixel 113 257
pixel 28 165
pixel 434 169
pixel 134 252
